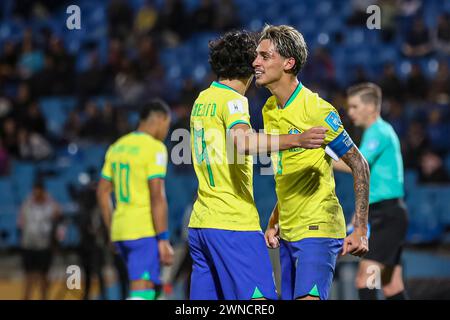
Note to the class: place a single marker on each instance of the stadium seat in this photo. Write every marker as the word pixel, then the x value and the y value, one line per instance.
pixel 57 188
pixel 6 192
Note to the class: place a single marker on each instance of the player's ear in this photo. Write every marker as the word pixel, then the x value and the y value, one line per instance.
pixel 289 64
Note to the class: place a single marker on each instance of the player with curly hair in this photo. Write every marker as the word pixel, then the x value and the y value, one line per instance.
pixel 230 259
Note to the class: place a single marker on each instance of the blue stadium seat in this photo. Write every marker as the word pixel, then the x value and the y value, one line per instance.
pixel 424 215
pixel 56 110
pixel 57 188
pixel 6 192
pixel 8 226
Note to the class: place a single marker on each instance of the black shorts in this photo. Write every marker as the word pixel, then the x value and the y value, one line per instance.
pixel 388 226
pixel 37 260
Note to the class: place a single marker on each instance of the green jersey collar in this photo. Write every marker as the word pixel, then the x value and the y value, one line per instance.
pixel 222 86
pixel 293 95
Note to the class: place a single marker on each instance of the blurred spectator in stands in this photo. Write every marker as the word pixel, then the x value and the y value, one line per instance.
pixel 44 38
pixel 93 234
pixel 395 116
pixel 27 9
pixel 120 19
pixel 43 82
pixel 37 219
pixel 416 84
pixel 31 60
pixel 204 16
pixel 147 55
pixel 442 34
pixel 320 69
pixel 10 137
pixel 418 40
pixel 72 127
pixel 122 124
pixel 116 54
pixel 64 65
pixel 432 170
pixel 107 129
pixel 22 101
pixel 128 85
pixel 388 22
pixel 146 18
pixel 33 120
pixel 408 8
pixel 189 92
pixel 440 85
pixel 91 81
pixel 359 15
pixel 390 83
pixel 438 131
pixel 173 22
pixel 359 75
pixel 8 61
pixel 92 122
pixel 6 108
pixel 414 144
pixel 227 19
pixel 4 160
pixel 33 146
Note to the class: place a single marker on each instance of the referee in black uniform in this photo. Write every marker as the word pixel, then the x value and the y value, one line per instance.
pixel 387 211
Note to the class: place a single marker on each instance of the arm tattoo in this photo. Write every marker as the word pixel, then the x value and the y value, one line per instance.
pixel 361 177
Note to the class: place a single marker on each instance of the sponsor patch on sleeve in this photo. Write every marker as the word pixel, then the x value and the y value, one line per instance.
pixel 236 106
pixel 161 159
pixel 333 120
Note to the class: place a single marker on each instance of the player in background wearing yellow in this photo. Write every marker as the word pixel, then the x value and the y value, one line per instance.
pixel 308 217
pixel 388 215
pixel 134 169
pixel 230 259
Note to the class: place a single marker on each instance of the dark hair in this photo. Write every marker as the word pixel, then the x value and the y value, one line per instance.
pixel 155 105
pixel 369 93
pixel 231 56
pixel 39 184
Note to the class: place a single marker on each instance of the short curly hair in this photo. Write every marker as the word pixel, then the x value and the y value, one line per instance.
pixel 231 56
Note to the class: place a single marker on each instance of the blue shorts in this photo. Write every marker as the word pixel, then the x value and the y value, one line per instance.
pixel 307 267
pixel 142 258
pixel 230 265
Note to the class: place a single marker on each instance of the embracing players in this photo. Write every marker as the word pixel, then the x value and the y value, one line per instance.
pixel 308 217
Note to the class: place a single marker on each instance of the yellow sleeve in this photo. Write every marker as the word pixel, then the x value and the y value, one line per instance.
pixel 107 172
pixel 157 164
pixel 326 115
pixel 337 138
pixel 235 111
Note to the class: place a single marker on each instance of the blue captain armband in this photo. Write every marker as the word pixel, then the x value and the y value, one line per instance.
pixel 341 144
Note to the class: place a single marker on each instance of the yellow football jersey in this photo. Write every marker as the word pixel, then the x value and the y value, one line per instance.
pixel 129 163
pixel 225 190
pixel 305 185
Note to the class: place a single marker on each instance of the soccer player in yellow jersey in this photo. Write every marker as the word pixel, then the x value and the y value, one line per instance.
pixel 230 259
pixel 308 217
pixel 135 167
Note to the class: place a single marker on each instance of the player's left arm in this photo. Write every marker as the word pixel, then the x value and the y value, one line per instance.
pixel 156 173
pixel 104 190
pixel 340 145
pixel 361 181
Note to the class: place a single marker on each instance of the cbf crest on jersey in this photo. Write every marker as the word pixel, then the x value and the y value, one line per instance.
pixel 294 130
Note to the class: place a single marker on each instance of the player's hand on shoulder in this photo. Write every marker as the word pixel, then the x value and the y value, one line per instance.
pixel 165 252
pixel 356 244
pixel 272 237
pixel 312 138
